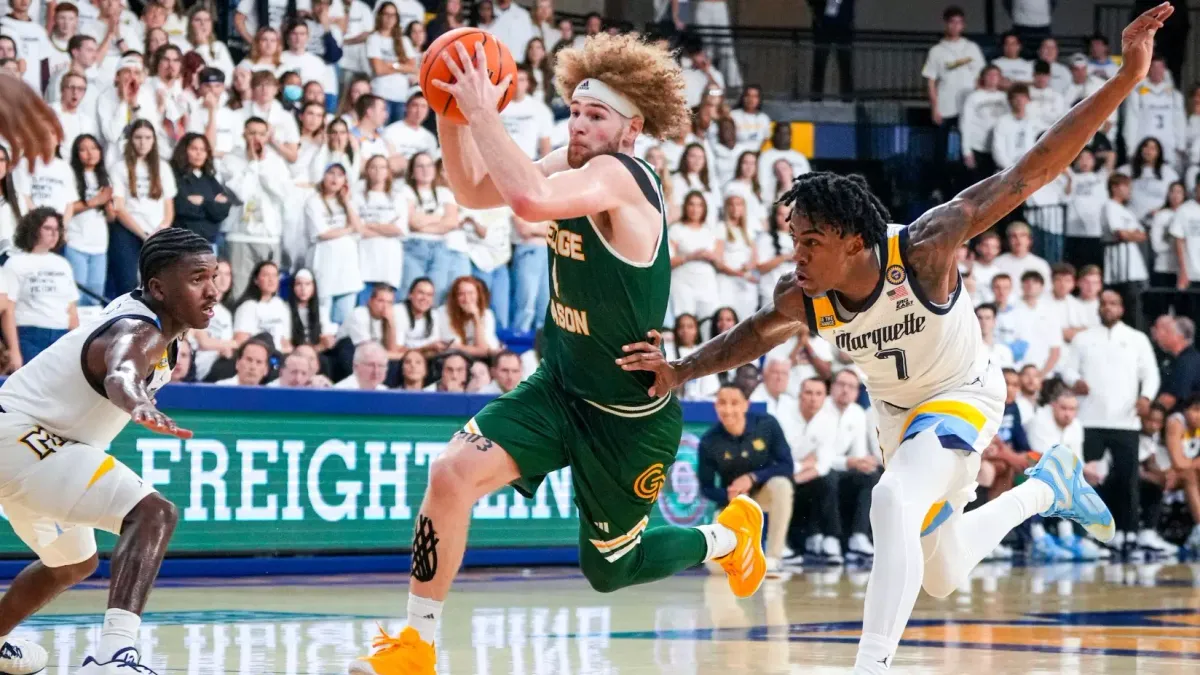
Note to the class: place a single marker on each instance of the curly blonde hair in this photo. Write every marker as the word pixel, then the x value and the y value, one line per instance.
pixel 645 73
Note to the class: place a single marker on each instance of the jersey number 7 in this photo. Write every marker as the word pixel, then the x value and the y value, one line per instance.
pixel 901 361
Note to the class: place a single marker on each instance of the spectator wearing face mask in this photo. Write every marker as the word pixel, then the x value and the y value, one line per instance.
pixel 252 365
pixel 370 368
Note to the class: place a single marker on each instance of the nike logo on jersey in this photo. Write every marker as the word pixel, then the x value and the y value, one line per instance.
pixel 910 324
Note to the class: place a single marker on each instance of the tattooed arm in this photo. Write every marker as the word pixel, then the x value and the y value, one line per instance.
pixel 936 236
pixel 770 327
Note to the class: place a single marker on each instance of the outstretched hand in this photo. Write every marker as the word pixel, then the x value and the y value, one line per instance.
pixel 151 418
pixel 649 357
pixel 1137 40
pixel 27 123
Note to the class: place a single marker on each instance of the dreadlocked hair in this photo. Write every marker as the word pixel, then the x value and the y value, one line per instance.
pixel 165 247
pixel 843 204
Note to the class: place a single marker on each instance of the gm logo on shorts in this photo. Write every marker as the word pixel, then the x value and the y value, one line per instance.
pixel 648 485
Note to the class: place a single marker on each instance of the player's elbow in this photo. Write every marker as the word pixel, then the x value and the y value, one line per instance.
pixel 529 206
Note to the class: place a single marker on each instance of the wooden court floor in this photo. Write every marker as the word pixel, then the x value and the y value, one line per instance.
pixel 1077 619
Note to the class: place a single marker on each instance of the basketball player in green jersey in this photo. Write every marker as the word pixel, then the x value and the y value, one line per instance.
pixel 609 283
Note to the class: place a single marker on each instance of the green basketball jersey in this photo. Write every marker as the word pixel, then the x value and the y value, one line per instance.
pixel 599 302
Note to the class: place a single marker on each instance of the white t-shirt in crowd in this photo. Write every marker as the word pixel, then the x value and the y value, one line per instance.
pixel 1089 191
pixel 351 382
pixel 392 86
pixel 276 11
pixel 75 124
pixel 361 327
pixel 1162 245
pixel 271 317
pixel 1186 226
pixel 220 327
pixel 444 331
pixel 360 20
pixel 43 288
pixel 408 141
pixel 1149 191
pixel 699 275
pixel 954 65
pixel 33 45
pixel 417 333
pixel 311 68
pixel 87 231
pixel 1040 328
pixel 435 202
pixel 1015 70
pixel 1123 261
pixel 148 212
pixel 50 184
pixel 752 128
pixel 528 121
pixel 230 125
pixel 334 261
pixel 381 259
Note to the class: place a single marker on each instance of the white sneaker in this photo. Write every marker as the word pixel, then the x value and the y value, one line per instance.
pixel 1193 541
pixel 1090 550
pixel 793 563
pixel 1001 552
pixel 787 551
pixel 22 657
pixel 125 662
pixel 812 545
pixel 1153 541
pixel 831 548
pixel 861 544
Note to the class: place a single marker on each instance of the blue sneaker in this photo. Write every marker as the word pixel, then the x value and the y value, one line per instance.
pixel 126 661
pixel 1046 549
pixel 1073 497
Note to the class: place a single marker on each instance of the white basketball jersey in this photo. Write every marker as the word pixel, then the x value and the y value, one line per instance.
pixel 909 349
pixel 53 389
pixel 1191 439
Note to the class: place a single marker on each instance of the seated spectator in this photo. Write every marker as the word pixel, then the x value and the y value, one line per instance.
pixel 811 433
pixel 1175 336
pixel 87 229
pixel 376 322
pixel 1038 326
pixel 981 111
pixel 1020 257
pixel 1027 398
pixel 479 378
pixel 1152 176
pixel 370 368
pixel 1016 131
pixel 505 374
pixel 310 323
pixel 1124 267
pixel 1073 316
pixel 687 340
pixel 855 469
pixel 1060 75
pixel 744 183
pixel 695 249
pixel 748 453
pixel 284 139
pixel 1184 232
pixel 76 119
pixel 252 365
pixel 415 319
pixel 183 370
pixel 414 370
pixel 1090 282
pixel 436 246
pixel 541 64
pixel 453 378
pixel 736 279
pixel 1156 477
pixel 753 125
pixel 261 310
pixel 465 322
pixel 216 341
pixel 42 284
pixel 774 387
pixel 409 136
pixel 998 352
pixel 781 148
pixel 1013 68
pixel 254 175
pixel 693 175
pixel 1005 458
pixel 372 113
pixel 332 224
pixel 983 267
pixel 201 204
pixel 811 356
pixel 319 380
pixel 1182 437
pixel 266 53
pixel 296 372
pixel 202 40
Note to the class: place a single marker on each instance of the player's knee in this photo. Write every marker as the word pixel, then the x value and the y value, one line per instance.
pixel 887 497
pixel 451 478
pixel 940 584
pixel 604 579
pixel 69 575
pixel 155 510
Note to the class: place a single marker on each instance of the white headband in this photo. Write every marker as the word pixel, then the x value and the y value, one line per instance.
pixel 598 91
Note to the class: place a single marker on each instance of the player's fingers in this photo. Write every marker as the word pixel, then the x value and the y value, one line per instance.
pixel 182 433
pixel 505 83
pixel 444 86
pixel 452 65
pixel 655 338
pixel 640 347
pixel 480 55
pixel 464 57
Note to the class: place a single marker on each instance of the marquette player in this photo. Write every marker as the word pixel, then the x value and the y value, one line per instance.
pixel 58 413
pixel 609 279
pixel 891 297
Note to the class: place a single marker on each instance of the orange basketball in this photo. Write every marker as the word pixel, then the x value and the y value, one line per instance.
pixel 500 65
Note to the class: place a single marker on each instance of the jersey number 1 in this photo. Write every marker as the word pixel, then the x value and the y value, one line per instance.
pixel 901 361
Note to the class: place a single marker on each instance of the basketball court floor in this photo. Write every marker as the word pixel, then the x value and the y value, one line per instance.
pixel 1077 619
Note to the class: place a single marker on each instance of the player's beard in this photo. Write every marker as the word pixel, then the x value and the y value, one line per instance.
pixel 577 155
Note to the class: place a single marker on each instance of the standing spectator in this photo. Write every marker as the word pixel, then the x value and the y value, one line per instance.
pixel 701 78
pixel 1185 235
pixel 1047 105
pixel 216 341
pixel 1124 266
pixel 1175 335
pixel 984 267
pixel 1164 252
pixel 1031 18
pixel 855 469
pixel 774 387
pixel 254 234
pixel 713 16
pixel 1020 257
pixel 774 251
pixel 409 135
pixel 527 118
pixel 297 58
pixel 65 26
pixel 1171 41
pixel 695 250
pixel 283 135
pixel 811 432
pixel 513 26
pixel 357 21
pixel 309 320
pixel 1100 61
pixel 1072 315
pixel 1038 325
pixel 333 227
pixel 266 55
pixel 465 321
pixel 260 309
pixel 436 245
pixel 391 62
pixel 83 52
pixel 202 40
pixel 1152 175
pixel 340 148
pixel 951 70
pixel 143 203
pixel 541 64
pixel 1001 298
pixel 728 157
pixel 201 204
pixel 1015 132
pixel 372 113
pixel 414 370
pixel 981 111
pixel 1112 370
pixel 736 281
pixel 48 184
pixel 385 215
pixel 1155 110
pixel 1193 134
pixel 1013 67
pixel 221 125
pixel 305 172
pixel 1183 443
pixel 1090 282
pixel 753 125
pixel 489 245
pixel 1089 192
pixel 998 352
pixel 75 119
pixel 87 230
pixel 530 282
pixel 750 455
pixel 693 176
pixel 833 28
pixel 781 149
pixel 34 43
pixel 1084 83
pixel 252 365
pixel 1060 75
pixel 544 26
pixel 43 286
pixel 370 368
pixel 484 15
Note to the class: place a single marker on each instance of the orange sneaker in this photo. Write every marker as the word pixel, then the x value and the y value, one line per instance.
pixel 405 654
pixel 746 566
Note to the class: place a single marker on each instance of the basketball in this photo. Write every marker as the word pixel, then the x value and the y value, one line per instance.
pixel 500 65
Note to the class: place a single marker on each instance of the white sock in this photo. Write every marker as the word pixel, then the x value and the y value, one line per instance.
pixel 423 615
pixel 120 631
pixel 875 654
pixel 720 539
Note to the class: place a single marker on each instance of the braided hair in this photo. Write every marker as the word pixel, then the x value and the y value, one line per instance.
pixel 163 248
pixel 843 204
